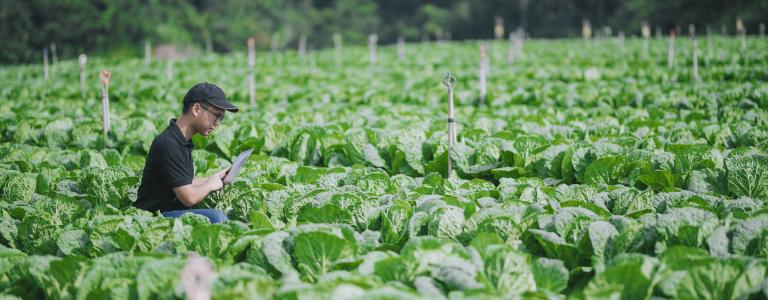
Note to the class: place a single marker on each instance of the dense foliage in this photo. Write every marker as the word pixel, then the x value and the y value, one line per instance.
pixel 120 27
pixel 589 172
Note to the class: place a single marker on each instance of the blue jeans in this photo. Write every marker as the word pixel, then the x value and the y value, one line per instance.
pixel 215 215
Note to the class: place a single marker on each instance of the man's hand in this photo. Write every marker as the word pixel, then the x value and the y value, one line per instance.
pixel 223 173
pixel 214 182
pixel 195 192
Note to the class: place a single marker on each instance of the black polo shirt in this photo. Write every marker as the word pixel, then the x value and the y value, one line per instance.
pixel 168 165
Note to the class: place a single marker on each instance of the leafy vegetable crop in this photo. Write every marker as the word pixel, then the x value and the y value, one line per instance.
pixel 588 172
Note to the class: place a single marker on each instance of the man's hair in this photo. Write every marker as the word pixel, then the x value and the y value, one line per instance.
pixel 187 106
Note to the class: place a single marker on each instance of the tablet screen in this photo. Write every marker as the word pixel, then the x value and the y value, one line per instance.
pixel 239 161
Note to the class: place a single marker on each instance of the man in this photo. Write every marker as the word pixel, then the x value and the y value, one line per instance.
pixel 168 184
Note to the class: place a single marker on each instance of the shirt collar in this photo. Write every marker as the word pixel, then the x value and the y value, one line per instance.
pixel 176 131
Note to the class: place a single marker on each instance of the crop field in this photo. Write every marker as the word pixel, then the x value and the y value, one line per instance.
pixel 590 170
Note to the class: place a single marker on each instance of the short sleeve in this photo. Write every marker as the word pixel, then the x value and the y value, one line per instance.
pixel 172 164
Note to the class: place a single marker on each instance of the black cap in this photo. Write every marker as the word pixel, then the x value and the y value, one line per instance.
pixel 211 94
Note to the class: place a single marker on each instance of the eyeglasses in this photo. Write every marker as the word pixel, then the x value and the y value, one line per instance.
pixel 219 116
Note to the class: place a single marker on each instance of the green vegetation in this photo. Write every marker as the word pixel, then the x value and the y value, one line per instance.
pixel 119 28
pixel 588 172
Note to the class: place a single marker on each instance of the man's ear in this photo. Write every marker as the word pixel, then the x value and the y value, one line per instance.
pixel 195 109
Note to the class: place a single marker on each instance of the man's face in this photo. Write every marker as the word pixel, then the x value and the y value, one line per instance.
pixel 207 118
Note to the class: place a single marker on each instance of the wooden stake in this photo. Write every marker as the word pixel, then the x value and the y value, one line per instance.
pixel 82 59
pixel 450 82
pixel 45 63
pixel 400 48
pixel 251 70
pixel 372 40
pixel 671 52
pixel 147 52
pixel 105 76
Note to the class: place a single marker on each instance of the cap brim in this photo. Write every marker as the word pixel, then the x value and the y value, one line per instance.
pixel 224 105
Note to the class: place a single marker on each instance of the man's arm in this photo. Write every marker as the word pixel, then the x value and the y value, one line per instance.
pixel 196 191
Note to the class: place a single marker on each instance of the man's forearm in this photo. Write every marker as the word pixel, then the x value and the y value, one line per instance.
pixel 193 193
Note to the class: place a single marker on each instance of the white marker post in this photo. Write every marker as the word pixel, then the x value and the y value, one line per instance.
pixel 710 45
pixel 692 31
pixel 337 45
pixel 197 278
pixel 208 44
pixel 498 29
pixel 762 30
pixel 520 41
pixel 450 82
pixel 586 29
pixel 620 39
pixel 45 63
pixel 302 46
pixel 372 40
pixel 104 76
pixel 274 42
pixel 54 56
pixel 511 50
pixel 401 48
pixel 82 59
pixel 743 32
pixel 646 30
pixel 671 52
pixel 147 52
pixel 483 72
pixel 251 70
pixel 169 68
